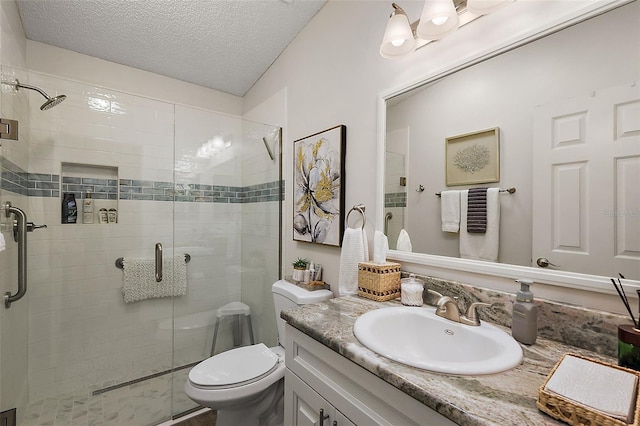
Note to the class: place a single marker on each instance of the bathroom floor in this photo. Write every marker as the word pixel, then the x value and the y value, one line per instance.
pixel 145 403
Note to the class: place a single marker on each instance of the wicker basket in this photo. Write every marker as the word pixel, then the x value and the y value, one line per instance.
pixel 379 281
pixel 567 411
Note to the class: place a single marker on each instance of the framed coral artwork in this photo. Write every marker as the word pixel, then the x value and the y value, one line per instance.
pixel 473 158
pixel 318 187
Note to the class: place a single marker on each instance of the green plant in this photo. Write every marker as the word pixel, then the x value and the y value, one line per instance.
pixel 300 263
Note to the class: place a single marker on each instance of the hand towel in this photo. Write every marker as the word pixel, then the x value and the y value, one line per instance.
pixel 365 246
pixel 404 242
pixel 450 210
pixel 477 210
pixel 139 279
pixel 351 253
pixel 3 243
pixel 481 246
pixel 380 247
pixel 605 389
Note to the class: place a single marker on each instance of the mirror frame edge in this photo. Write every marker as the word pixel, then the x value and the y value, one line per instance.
pixel 564 279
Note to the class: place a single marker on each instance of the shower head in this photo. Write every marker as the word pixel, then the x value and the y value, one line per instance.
pixel 48 104
pixel 51 102
pixel 266 145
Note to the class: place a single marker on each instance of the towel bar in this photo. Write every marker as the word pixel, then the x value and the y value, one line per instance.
pixel 119 265
pixel 510 190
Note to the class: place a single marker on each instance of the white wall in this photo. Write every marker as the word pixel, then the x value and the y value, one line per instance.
pixel 66 63
pixel 333 75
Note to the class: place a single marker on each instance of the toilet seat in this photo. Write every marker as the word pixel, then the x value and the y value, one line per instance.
pixel 223 397
pixel 233 368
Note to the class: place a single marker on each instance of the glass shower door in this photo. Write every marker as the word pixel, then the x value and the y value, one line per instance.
pixel 226 216
pixel 87 344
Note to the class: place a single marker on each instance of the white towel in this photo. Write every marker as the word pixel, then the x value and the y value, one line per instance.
pixel 404 242
pixel 3 243
pixel 380 247
pixel 365 245
pixel 450 210
pixel 351 253
pixel 139 279
pixel 605 389
pixel 481 246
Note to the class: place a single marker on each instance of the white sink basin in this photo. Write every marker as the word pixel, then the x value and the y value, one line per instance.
pixel 416 336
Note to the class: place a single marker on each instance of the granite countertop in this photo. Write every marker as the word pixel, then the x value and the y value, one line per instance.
pixel 507 398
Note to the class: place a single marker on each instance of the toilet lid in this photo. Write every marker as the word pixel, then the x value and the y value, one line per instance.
pixel 234 367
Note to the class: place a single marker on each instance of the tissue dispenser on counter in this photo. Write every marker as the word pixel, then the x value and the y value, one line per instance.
pixel 589 392
pixel 379 281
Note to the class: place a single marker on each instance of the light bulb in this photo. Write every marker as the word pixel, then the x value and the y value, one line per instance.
pixel 440 20
pixel 399 42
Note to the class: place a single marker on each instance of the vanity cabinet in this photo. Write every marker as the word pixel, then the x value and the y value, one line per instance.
pixel 308 407
pixel 319 378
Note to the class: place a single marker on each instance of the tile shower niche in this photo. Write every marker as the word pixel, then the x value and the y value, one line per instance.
pixel 99 181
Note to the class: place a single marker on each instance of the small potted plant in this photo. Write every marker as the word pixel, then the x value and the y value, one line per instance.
pixel 299 266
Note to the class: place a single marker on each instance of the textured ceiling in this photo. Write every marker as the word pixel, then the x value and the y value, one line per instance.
pixel 224 45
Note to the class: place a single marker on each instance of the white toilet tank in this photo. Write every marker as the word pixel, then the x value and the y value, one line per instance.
pixel 287 295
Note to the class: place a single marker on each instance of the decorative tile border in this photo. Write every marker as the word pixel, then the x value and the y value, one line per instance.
pixel 16 180
pixel 101 189
pixel 395 199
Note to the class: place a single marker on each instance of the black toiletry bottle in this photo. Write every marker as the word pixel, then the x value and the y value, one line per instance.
pixel 69 208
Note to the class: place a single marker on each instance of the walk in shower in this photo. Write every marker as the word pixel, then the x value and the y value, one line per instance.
pixel 198 182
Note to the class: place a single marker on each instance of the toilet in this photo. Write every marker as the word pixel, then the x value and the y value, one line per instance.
pixel 246 385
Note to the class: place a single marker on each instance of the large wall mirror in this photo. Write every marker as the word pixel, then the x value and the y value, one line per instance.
pixel 567 112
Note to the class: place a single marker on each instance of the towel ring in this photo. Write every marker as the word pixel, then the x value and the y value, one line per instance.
pixel 360 208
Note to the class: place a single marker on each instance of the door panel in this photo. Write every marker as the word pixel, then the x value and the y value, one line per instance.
pixel 586 168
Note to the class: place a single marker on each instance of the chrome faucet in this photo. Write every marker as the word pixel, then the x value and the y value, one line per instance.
pixel 447 307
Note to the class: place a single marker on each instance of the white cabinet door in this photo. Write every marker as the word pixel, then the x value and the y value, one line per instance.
pixel 586 194
pixel 305 407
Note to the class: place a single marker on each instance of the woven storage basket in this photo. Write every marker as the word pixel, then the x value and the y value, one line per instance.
pixel 569 412
pixel 379 281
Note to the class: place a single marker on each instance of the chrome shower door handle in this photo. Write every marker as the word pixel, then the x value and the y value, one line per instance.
pixel 158 262
pixel 20 235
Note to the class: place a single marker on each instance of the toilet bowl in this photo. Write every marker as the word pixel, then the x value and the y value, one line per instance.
pixel 246 385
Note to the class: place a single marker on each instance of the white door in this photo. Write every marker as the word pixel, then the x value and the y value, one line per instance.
pixel 586 189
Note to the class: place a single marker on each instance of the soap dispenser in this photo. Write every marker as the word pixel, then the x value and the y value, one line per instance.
pixel 524 322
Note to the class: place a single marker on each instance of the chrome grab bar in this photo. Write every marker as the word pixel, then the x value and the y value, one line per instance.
pixel 20 236
pixel 387 218
pixel 158 262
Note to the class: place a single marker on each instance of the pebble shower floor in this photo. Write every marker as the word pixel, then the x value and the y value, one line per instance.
pixel 140 404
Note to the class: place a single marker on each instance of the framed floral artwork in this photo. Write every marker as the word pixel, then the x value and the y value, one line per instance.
pixel 473 158
pixel 318 187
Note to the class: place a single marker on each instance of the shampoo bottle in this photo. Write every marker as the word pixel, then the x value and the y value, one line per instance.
pixel 87 208
pixel 524 323
pixel 69 208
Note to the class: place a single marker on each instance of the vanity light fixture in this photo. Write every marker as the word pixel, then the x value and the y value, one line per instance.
pixel 439 19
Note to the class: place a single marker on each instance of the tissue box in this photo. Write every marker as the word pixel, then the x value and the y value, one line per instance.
pixel 574 413
pixel 379 281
